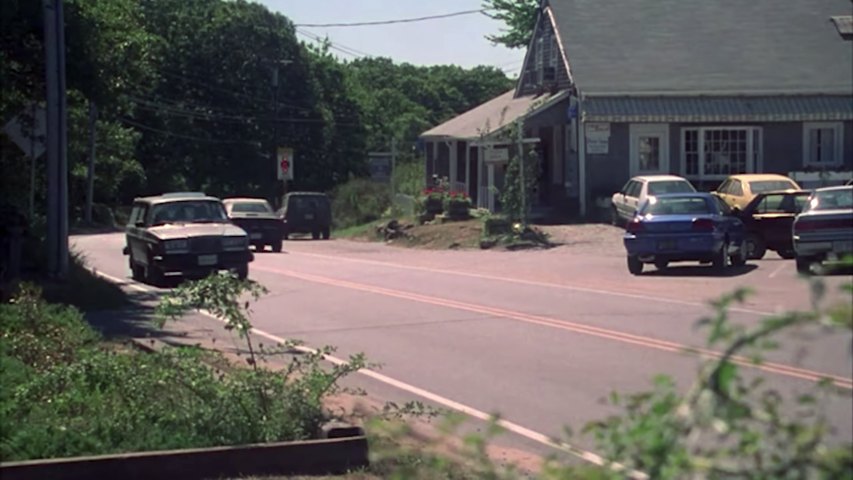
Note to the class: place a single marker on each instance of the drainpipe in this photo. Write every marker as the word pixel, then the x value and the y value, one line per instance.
pixel 581 158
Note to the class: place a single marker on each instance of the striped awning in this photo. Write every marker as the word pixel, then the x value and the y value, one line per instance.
pixel 665 109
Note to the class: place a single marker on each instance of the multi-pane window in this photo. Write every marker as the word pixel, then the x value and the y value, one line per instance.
pixel 710 152
pixel 822 144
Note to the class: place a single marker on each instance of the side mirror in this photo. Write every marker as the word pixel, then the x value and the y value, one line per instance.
pixel 125 251
pixel 736 211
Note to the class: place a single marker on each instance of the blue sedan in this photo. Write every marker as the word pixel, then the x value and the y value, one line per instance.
pixel 684 227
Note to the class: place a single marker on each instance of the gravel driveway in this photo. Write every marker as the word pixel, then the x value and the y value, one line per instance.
pixel 597 238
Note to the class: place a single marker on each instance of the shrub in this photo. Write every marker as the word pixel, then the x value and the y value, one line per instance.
pixel 359 201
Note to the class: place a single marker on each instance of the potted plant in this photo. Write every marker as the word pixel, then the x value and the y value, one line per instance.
pixel 458 206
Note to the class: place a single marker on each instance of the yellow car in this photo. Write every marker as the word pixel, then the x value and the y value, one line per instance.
pixel 738 190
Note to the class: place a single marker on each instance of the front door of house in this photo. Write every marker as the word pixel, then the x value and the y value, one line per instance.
pixel 649 148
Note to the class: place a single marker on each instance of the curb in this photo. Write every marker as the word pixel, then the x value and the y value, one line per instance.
pixel 314 457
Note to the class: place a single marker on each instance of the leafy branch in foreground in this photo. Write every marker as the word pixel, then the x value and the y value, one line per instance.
pixel 729 424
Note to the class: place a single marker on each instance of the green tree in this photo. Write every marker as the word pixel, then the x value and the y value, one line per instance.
pixel 519 17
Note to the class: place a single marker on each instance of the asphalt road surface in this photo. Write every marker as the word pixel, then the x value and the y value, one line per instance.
pixel 539 336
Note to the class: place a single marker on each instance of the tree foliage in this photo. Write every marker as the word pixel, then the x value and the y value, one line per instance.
pixel 519 16
pixel 186 99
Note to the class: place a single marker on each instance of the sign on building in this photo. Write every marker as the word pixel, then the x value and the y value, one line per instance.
pixel 496 155
pixel 597 138
pixel 284 163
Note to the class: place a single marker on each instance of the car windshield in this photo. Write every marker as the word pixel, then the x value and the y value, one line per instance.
pixel 197 211
pixel 250 207
pixel 768 185
pixel 670 186
pixel 677 206
pixel 832 199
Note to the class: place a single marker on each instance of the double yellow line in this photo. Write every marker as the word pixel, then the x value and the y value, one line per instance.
pixel 609 334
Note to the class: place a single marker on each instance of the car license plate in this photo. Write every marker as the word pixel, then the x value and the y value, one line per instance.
pixel 207 260
pixel 256 236
pixel 843 246
pixel 309 216
pixel 666 245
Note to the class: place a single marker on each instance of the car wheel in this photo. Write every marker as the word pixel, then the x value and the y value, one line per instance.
pixel 721 259
pixel 243 272
pixel 614 217
pixel 755 247
pixel 787 254
pixel 661 264
pixel 154 276
pixel 315 235
pixel 739 259
pixel 326 233
pixel 804 265
pixel 635 266
pixel 137 272
pixel 276 247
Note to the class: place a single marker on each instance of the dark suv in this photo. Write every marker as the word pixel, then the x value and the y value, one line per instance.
pixel 185 234
pixel 306 212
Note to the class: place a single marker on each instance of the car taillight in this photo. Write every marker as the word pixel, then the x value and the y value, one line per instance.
pixel 703 225
pixel 634 226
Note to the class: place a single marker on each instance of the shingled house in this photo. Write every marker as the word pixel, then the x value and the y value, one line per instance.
pixel 613 89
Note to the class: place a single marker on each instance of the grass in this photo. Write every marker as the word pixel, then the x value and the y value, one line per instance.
pixel 363 231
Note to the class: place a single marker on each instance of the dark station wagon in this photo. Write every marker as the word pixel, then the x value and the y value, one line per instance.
pixel 183 234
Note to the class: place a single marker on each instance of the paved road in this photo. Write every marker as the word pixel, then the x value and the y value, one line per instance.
pixel 539 336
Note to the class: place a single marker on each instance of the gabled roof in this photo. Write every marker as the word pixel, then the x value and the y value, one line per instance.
pixel 491 116
pixel 706 46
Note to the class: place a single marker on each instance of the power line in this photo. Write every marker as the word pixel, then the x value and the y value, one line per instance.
pixel 149 128
pixel 333 45
pixel 390 22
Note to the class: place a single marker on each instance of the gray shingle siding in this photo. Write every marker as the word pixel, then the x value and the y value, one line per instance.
pixel 528 83
pixel 608 173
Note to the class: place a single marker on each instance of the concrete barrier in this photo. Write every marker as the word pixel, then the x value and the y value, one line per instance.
pixel 314 457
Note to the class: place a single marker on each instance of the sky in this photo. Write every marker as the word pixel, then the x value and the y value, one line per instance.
pixel 456 40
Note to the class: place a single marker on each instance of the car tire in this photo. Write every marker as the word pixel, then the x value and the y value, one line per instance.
pixel 635 266
pixel 788 254
pixel 276 247
pixel 315 235
pixel 804 265
pixel 154 276
pixel 755 247
pixel 242 272
pixel 720 261
pixel 137 272
pixel 614 217
pixel 661 264
pixel 326 233
pixel 739 259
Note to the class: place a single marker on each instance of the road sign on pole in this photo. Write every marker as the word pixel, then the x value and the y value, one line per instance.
pixel 284 163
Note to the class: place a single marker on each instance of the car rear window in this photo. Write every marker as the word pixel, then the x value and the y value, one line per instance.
pixel 832 199
pixel 251 207
pixel 670 186
pixel 677 206
pixel 187 212
pixel 759 186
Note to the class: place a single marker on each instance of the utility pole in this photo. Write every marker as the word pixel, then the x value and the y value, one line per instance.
pixel 33 164
pixel 57 165
pixel 521 164
pixel 90 174
pixel 393 166
pixel 275 127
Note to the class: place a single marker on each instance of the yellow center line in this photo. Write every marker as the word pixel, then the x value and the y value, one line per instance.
pixel 609 334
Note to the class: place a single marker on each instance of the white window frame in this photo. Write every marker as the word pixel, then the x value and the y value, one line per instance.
pixel 637 130
pixel 753 165
pixel 838 128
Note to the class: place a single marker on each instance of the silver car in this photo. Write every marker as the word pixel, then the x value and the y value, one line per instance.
pixel 824 229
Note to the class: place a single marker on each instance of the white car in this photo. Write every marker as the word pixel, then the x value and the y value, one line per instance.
pixel 824 229
pixel 626 201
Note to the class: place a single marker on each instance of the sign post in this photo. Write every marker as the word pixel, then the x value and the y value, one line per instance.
pixel 284 166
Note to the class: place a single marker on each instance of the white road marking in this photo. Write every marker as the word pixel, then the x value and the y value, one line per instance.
pixel 779 269
pixel 534 283
pixel 533 435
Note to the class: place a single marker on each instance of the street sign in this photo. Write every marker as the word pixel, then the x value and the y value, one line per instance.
pixel 284 163
pixel 379 164
pixel 28 130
